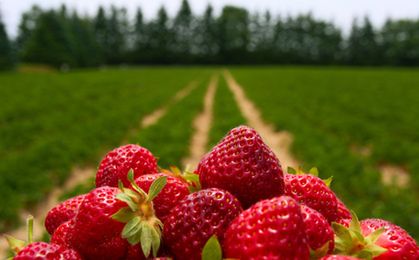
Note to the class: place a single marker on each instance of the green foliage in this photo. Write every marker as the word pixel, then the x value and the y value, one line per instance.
pixel 51 122
pixel 329 111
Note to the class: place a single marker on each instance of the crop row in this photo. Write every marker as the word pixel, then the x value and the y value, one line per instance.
pixel 51 122
pixel 329 111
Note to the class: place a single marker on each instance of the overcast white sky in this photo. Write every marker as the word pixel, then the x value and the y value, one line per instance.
pixel 340 11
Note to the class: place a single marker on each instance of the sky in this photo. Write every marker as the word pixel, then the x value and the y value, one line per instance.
pixel 342 12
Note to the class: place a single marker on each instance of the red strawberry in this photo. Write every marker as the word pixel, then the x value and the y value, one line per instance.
pixel 339 257
pixel 375 239
pixel 174 191
pixel 319 233
pixel 45 251
pixel 196 218
pixel 98 229
pixel 244 165
pixel 344 215
pixel 119 161
pixel 62 235
pixel 270 229
pixel 399 244
pixel 62 213
pixel 312 191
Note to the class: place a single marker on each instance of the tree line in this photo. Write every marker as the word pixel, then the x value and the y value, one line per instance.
pixel 60 37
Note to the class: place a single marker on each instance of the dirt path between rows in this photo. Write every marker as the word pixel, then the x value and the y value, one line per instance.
pixel 280 142
pixel 202 125
pixel 79 176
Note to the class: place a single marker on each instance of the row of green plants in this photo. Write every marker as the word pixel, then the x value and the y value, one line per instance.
pixel 226 114
pixel 52 122
pixel 329 111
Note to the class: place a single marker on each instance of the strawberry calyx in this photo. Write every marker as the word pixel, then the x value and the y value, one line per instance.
pixel 141 224
pixel 16 245
pixel 320 252
pixel 187 176
pixel 350 241
pixel 313 171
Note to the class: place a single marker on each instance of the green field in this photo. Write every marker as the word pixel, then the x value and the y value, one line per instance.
pixel 51 122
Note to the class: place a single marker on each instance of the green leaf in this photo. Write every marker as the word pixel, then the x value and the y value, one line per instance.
pixel 355 225
pixel 123 215
pixel 156 187
pixel 212 249
pixel 314 171
pixel 193 178
pixel 155 241
pixel 15 244
pixel 374 236
pixel 291 170
pixel 328 181
pixel 146 240
pixel 127 199
pixel 132 227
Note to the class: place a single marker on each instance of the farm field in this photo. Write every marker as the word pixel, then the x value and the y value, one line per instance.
pixel 347 122
pixel 51 122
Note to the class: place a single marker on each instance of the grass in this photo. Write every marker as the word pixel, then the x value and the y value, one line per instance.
pixel 50 122
pixel 330 110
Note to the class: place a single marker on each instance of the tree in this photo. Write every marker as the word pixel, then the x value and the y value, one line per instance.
pixel 117 26
pixel 102 33
pixel 206 37
pixel 6 53
pixel 50 42
pixel 139 38
pixel 27 26
pixel 159 39
pixel 183 32
pixel 362 46
pixel 233 35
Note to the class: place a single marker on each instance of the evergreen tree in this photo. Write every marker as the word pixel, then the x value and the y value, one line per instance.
pixel 183 32
pixel 50 42
pixel 102 34
pixel 160 37
pixel 117 27
pixel 362 46
pixel 139 37
pixel 27 26
pixel 233 34
pixel 6 53
pixel 206 37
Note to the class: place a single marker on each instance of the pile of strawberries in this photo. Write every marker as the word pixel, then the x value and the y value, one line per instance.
pixel 237 204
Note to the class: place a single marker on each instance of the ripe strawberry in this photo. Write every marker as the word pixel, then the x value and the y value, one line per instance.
pixel 42 250
pixel 244 165
pixel 310 190
pixel 399 244
pixel 119 161
pixel 375 239
pixel 62 213
pixel 62 235
pixel 270 229
pixel 344 215
pixel 99 232
pixel 196 218
pixel 174 191
pixel 319 233
pixel 339 257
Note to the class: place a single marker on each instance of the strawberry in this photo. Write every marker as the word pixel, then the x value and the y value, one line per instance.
pixel 244 165
pixel 344 215
pixel 310 190
pixel 62 235
pixel 270 229
pixel 375 239
pixel 319 233
pixel 174 191
pixel 399 244
pixel 46 251
pixel 99 230
pixel 62 213
pixel 339 257
pixel 116 164
pixel 196 218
